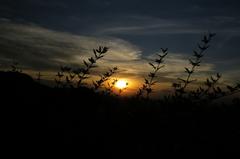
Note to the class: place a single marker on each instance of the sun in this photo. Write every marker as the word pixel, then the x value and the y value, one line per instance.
pixel 121 84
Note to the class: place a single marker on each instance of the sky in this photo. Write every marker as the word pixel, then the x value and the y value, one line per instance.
pixel 42 35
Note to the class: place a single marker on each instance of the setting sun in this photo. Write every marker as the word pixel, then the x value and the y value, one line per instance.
pixel 121 84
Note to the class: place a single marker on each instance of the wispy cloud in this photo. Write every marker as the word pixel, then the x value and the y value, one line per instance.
pixel 149 25
pixel 38 48
pixel 145 25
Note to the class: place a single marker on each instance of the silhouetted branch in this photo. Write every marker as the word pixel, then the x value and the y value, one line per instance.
pixel 149 82
pixel 84 72
pixel 97 84
pixel 194 62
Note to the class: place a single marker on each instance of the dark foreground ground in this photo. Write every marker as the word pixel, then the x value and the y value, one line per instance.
pixel 90 124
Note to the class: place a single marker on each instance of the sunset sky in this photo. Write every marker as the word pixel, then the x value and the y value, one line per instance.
pixel 42 35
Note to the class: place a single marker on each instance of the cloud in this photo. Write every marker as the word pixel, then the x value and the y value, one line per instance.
pixel 153 25
pixel 25 43
pixel 37 48
pixel 147 25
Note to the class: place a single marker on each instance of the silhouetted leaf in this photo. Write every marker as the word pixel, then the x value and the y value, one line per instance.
pixel 213 79
pixel 149 90
pixel 158 61
pixel 203 48
pixel 59 74
pixel 197 63
pixel 91 60
pixel 160 67
pixel 146 81
pixel 188 71
pixel 196 54
pixel 164 50
pixel 152 65
pixel 185 81
pixel 154 82
pixel 212 35
pixel 72 76
pixel 85 63
pixel 208 83
pixel 67 79
pixel 78 71
pixel 151 75
pixel 95 53
pixel 205 39
pixel 231 88
pixel 218 75
pixel 104 50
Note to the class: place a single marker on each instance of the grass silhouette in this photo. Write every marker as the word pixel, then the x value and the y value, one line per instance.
pixel 67 75
pixel 110 85
pixel 15 67
pixel 105 77
pixel 147 86
pixel 181 86
pixel 83 73
pixel 183 123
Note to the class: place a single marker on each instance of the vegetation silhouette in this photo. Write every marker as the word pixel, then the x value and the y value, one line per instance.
pixel 67 75
pixel 105 77
pixel 181 86
pixel 186 123
pixel 147 86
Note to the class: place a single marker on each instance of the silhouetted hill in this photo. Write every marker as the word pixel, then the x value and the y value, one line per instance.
pixel 17 81
pixel 15 77
pixel 100 124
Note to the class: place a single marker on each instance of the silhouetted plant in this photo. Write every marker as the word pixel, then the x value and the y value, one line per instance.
pixel 110 85
pixel 59 79
pixel 210 90
pixel 39 77
pixel 15 67
pixel 66 77
pixel 218 92
pixel 231 90
pixel 121 90
pixel 150 81
pixel 97 84
pixel 194 62
pixel 83 73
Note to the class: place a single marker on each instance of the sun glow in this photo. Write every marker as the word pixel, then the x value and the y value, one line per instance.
pixel 121 84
